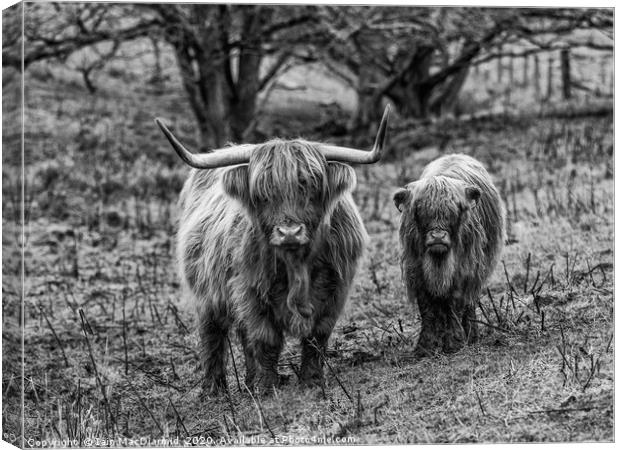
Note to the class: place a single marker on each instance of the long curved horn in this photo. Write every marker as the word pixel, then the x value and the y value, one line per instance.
pixel 229 156
pixel 352 155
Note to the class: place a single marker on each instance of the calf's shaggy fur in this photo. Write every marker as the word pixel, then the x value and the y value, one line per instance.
pixel 239 280
pixel 452 232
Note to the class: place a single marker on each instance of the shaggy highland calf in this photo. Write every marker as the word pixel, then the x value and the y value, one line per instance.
pixel 452 232
pixel 269 241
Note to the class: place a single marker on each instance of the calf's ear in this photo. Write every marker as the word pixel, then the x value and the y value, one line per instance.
pixel 401 198
pixel 236 184
pixel 472 194
pixel 340 179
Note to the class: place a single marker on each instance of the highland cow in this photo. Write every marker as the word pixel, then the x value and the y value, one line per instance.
pixel 269 241
pixel 452 232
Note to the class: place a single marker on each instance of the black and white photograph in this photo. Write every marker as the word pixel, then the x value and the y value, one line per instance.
pixel 233 224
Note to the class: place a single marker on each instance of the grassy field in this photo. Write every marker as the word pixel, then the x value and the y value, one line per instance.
pixel 109 347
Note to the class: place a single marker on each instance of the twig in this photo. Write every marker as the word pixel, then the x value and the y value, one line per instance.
pixel 542 283
pixel 611 338
pixel 125 336
pixel 322 354
pixel 232 357
pixel 527 272
pixel 62 349
pixel 593 368
pixel 376 409
pixel 484 313
pixel 92 360
pixel 161 430
pixel 512 289
pixel 535 282
pixel 484 413
pixel 260 410
pixel 232 406
pixel 499 319
pixel 179 419
pixel 178 320
pixel 585 408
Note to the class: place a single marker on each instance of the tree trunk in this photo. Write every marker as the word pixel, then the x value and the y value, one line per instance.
pixel 536 77
pixel 410 94
pixel 243 105
pixel 565 68
pixel 500 69
pixel 368 110
pixel 411 101
pixel 205 92
pixel 446 101
pixel 603 63
pixel 526 71
pixel 245 88
pixel 550 78
pixel 222 99
pixel 157 79
pixel 367 113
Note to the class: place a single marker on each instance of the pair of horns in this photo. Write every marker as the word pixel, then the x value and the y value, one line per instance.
pixel 240 154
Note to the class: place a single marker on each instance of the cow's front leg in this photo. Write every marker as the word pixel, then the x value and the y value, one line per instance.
pixel 454 336
pixel 213 332
pixel 314 348
pixel 250 360
pixel 432 323
pixel 267 356
pixel 266 345
pixel 470 324
pixel 313 351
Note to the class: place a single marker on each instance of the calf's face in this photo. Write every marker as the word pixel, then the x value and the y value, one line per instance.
pixel 433 211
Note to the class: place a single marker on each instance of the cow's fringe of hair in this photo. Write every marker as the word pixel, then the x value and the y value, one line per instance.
pixel 279 164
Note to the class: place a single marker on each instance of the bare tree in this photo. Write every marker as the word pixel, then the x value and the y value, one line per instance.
pixel 53 30
pixel 419 58
pixel 226 54
pixel 565 70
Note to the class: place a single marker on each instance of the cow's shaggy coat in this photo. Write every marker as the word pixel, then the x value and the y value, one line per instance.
pixel 237 279
pixel 452 232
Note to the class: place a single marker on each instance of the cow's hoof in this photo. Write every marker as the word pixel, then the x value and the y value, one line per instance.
pixel 266 383
pixel 428 345
pixel 452 345
pixel 312 382
pixel 213 388
pixel 311 376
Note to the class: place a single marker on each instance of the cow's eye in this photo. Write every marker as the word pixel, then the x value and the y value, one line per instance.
pixel 462 208
pixel 416 214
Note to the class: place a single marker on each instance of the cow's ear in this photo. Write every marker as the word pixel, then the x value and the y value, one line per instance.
pixel 236 184
pixel 401 198
pixel 340 178
pixel 472 194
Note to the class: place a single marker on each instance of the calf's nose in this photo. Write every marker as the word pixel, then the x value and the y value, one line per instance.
pixel 439 235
